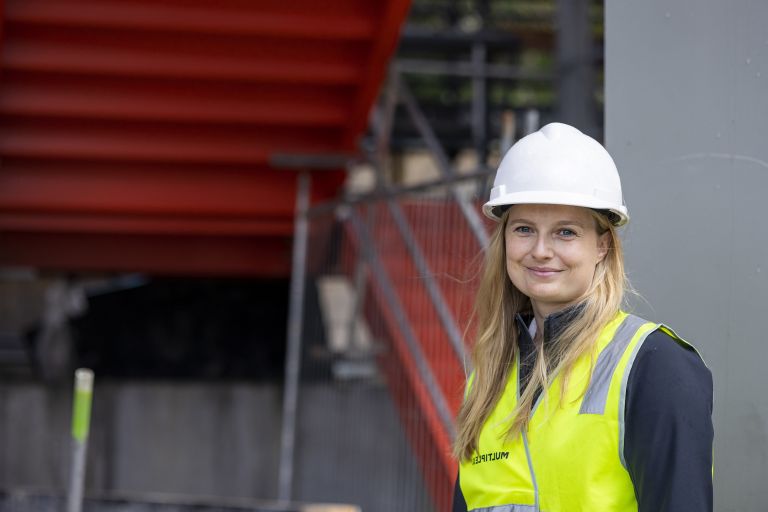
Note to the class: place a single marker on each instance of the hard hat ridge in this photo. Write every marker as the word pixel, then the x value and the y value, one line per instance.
pixel 558 165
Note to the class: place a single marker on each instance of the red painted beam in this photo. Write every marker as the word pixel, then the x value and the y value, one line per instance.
pixel 153 189
pixel 293 19
pixel 158 142
pixel 144 225
pixel 200 57
pixel 35 94
pixel 158 255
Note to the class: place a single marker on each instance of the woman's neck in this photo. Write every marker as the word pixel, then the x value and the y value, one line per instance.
pixel 542 312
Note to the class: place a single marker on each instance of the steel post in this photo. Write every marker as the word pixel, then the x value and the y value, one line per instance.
pixel 293 344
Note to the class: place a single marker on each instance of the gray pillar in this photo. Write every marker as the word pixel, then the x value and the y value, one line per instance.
pixel 686 122
pixel 575 67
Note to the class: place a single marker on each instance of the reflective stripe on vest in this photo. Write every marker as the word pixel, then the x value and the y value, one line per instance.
pixel 570 459
pixel 507 508
pixel 607 361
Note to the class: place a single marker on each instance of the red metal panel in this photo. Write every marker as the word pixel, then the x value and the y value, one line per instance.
pixel 160 255
pixel 104 188
pixel 135 118
pixel 339 19
pixel 246 59
pixel 143 225
pixel 121 140
pixel 28 94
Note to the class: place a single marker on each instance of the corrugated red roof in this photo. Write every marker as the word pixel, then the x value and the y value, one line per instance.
pixel 137 134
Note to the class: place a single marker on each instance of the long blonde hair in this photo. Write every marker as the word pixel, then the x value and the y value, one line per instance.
pixel 497 303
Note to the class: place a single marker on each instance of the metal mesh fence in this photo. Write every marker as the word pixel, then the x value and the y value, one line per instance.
pixel 26 501
pixel 389 292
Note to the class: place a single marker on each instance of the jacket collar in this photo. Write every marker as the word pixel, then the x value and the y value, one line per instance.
pixel 554 324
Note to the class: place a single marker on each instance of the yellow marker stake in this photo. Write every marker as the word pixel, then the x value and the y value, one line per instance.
pixel 81 411
pixel 81 421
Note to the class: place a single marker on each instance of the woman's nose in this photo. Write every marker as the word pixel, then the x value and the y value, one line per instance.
pixel 542 249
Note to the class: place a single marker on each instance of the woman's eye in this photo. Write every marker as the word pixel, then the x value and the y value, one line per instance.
pixel 523 229
pixel 566 233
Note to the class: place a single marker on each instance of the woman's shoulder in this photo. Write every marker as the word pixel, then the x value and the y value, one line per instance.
pixel 667 366
pixel 664 346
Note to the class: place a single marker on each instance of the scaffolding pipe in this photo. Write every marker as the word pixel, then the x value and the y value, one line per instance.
pixel 446 169
pixel 433 289
pixel 382 278
pixel 393 191
pixel 293 349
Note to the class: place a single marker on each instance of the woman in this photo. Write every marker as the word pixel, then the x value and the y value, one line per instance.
pixel 574 405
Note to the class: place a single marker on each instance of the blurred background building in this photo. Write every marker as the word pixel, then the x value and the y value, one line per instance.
pixel 258 223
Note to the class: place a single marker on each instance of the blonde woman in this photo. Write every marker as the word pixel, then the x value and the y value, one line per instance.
pixel 573 404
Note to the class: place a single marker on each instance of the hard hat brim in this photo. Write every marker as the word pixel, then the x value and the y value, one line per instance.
pixel 549 197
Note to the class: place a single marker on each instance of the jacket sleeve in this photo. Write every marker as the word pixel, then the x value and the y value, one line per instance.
pixel 669 434
pixel 459 504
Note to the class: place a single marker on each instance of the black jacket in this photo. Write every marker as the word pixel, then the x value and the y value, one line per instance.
pixel 668 416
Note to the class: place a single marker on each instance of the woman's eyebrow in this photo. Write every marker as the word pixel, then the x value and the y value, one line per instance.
pixel 523 221
pixel 570 222
pixel 558 223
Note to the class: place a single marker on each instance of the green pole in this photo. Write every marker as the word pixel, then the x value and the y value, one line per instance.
pixel 81 421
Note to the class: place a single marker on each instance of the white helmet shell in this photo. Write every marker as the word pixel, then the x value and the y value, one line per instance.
pixel 558 165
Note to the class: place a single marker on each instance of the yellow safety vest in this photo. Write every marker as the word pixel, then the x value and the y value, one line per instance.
pixel 571 459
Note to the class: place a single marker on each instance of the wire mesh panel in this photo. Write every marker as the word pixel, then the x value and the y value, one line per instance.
pixel 390 287
pixel 24 501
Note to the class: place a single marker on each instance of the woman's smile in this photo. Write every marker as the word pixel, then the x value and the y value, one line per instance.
pixel 543 271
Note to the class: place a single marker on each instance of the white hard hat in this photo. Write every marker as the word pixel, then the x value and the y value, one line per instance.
pixel 558 165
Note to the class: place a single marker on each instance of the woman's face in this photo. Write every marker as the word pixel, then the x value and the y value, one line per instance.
pixel 552 252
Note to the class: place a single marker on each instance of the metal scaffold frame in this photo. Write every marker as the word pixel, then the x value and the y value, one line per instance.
pixel 370 263
pixel 574 77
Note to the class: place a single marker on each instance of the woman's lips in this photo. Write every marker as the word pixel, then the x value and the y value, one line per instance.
pixel 543 271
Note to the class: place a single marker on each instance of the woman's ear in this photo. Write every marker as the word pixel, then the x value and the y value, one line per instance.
pixel 603 244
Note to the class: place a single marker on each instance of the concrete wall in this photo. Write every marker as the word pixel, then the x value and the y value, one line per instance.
pixel 187 439
pixel 687 122
pixel 203 439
